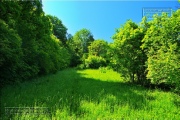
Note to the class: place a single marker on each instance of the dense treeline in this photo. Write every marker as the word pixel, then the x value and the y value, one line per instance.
pixel 149 53
pixel 32 44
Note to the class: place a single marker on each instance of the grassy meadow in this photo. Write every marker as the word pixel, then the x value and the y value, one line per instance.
pixel 89 95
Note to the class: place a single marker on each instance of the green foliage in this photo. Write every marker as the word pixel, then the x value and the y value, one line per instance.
pixel 164 66
pixel 10 53
pixel 98 48
pixel 162 48
pixel 149 53
pixel 82 40
pixel 81 67
pixel 31 29
pixel 111 57
pixel 10 12
pixel 59 30
pixel 95 62
pixel 103 69
pixel 28 46
pixel 127 53
pixel 75 58
pixel 78 46
pixel 56 58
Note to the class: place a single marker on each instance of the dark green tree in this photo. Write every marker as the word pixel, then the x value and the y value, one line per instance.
pixel 74 56
pixel 78 45
pixel 10 54
pixel 28 45
pixel 59 30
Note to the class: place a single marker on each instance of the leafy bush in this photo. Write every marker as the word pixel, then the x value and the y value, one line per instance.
pixel 81 67
pixel 29 47
pixel 10 53
pixel 103 69
pixel 127 56
pixel 162 49
pixel 95 62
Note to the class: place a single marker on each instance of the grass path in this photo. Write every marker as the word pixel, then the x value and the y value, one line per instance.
pixel 89 94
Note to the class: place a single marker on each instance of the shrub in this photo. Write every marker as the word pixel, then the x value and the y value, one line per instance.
pixel 103 69
pixel 81 67
pixel 95 62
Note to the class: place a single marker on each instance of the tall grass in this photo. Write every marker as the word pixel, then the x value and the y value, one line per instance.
pixel 89 94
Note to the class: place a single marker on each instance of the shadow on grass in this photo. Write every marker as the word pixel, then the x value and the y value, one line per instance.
pixel 71 88
pixel 96 91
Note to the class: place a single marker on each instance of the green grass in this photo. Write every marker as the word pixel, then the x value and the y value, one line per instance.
pixel 89 94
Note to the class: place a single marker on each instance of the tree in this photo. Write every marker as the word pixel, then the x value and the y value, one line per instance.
pixel 30 27
pixel 59 30
pixel 10 54
pixel 94 62
pixel 162 48
pixel 98 48
pixel 97 56
pixel 82 39
pixel 10 12
pixel 74 56
pixel 127 52
pixel 28 46
pixel 78 46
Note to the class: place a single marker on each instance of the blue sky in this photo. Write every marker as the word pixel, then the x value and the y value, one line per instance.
pixel 100 17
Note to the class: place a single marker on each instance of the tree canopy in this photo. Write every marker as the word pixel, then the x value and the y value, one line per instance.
pixel 28 45
pixel 128 54
pixel 59 30
pixel 149 53
pixel 82 40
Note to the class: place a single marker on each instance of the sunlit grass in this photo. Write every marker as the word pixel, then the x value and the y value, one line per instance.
pixel 89 94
